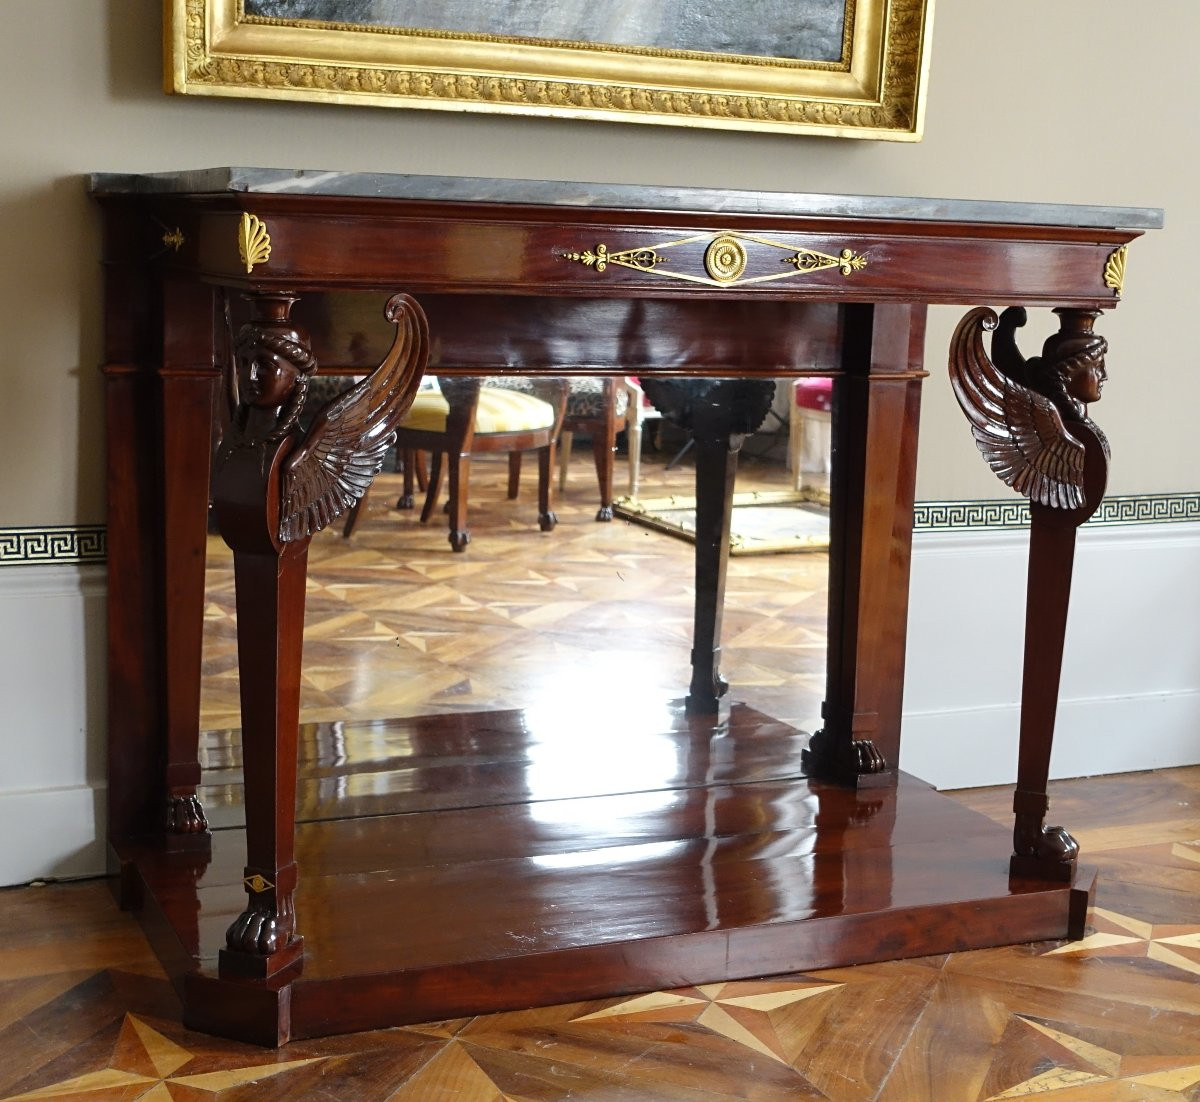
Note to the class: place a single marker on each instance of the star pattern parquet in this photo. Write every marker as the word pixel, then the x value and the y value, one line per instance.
pixel 86 1012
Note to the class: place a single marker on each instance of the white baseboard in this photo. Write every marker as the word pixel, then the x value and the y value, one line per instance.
pixel 52 682
pixel 53 833
pixel 1130 695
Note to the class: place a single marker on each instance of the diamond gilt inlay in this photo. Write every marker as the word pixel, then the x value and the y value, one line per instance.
pixel 725 260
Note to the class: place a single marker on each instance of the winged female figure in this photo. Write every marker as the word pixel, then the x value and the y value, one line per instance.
pixel 345 446
pixel 1024 413
pixel 327 469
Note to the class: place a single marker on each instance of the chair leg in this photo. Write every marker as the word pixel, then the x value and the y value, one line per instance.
pixel 352 517
pixel 796 449
pixel 604 445
pixel 565 441
pixel 405 462
pixel 435 488
pixel 546 518
pixel 460 471
pixel 633 440
pixel 514 475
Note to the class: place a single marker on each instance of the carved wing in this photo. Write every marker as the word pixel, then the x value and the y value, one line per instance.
pixel 334 465
pixel 1019 431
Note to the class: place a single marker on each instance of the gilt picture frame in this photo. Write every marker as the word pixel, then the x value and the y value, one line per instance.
pixel 843 68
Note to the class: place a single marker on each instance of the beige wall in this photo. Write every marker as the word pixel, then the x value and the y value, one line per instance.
pixel 1071 101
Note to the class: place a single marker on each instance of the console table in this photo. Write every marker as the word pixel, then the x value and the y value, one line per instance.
pixel 795 854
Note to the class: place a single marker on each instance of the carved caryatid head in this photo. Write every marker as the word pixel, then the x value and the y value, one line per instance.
pixel 1072 362
pixel 272 366
pixel 1084 373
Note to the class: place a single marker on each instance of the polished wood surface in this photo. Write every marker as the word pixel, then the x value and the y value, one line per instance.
pixel 476 258
pixel 516 869
pixel 86 1006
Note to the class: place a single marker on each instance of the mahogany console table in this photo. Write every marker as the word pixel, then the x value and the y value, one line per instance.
pixel 794 853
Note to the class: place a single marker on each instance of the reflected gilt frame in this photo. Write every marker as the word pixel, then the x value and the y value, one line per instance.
pixel 875 90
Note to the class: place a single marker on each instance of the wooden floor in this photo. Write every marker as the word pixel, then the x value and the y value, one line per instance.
pixel 397 624
pixel 86 1011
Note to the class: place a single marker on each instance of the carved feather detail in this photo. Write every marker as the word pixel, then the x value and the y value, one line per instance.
pixel 344 450
pixel 1020 432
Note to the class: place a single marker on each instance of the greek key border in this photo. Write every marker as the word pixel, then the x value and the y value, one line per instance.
pixel 957 516
pixel 65 545
pixel 61 545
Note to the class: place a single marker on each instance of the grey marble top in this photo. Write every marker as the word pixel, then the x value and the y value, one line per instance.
pixel 640 197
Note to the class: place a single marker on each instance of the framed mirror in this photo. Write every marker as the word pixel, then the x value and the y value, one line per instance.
pixel 845 68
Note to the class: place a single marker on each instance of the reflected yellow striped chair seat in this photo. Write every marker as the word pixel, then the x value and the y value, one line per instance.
pixel 498 411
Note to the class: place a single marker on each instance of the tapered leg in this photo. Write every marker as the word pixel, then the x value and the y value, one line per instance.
pixel 716 467
pixel 270 609
pixel 876 410
pixel 460 479
pixel 1039 850
pixel 720 415
pixel 188 382
pixel 135 651
pixel 187 411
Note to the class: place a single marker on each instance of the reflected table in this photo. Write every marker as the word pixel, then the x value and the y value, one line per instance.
pixel 225 291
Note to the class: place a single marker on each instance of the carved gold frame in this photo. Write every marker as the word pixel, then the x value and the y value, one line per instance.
pixel 877 90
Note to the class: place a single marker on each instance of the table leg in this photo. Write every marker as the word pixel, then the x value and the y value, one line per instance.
pixel 270 610
pixel 273 487
pixel 876 408
pixel 135 663
pixel 716 466
pixel 1038 849
pixel 1029 419
pixel 719 416
pixel 187 415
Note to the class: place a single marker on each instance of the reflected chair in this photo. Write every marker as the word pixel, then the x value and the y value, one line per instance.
pixel 463 418
pixel 810 419
pixel 600 406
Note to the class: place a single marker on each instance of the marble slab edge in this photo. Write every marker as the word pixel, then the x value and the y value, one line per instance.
pixel 619 196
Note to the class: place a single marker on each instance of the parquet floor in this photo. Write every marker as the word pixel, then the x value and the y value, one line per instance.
pixel 397 624
pixel 86 1013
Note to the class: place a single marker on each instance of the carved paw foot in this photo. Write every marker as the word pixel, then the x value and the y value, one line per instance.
pixel 605 513
pixel 1051 843
pixel 1043 853
pixel 547 521
pixel 260 931
pixel 867 759
pixel 459 540
pixel 185 815
pixel 827 756
pixel 405 501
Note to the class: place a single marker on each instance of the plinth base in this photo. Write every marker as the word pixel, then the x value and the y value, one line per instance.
pixel 492 865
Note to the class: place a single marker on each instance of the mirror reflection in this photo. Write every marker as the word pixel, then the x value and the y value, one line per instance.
pixel 573 639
